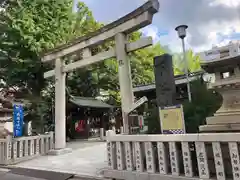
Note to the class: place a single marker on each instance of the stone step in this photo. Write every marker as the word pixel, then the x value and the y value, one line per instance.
pixel 227 119
pixel 220 128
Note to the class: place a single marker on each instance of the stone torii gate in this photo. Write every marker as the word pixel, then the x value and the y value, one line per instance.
pixel 117 30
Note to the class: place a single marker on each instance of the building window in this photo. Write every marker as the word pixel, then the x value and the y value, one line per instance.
pixel 227 74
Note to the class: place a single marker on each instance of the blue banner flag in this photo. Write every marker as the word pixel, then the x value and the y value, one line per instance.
pixel 18 117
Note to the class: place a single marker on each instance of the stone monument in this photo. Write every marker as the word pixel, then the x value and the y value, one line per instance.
pixel 224 62
pixel 164 80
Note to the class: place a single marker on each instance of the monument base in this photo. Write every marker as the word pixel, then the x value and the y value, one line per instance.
pixel 57 152
pixel 222 123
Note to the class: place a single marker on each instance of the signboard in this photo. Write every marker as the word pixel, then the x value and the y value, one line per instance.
pixel 172 120
pixel 18 120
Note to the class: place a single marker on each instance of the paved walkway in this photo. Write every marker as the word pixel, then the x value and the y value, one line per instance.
pixel 87 158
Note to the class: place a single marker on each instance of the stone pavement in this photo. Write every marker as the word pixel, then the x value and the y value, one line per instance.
pixel 87 159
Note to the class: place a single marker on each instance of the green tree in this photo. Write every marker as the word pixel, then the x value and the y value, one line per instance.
pixel 193 62
pixel 27 28
pixel 142 64
pixel 205 102
pixel 30 26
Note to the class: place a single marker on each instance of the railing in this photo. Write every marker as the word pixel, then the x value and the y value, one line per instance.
pixel 190 156
pixel 15 150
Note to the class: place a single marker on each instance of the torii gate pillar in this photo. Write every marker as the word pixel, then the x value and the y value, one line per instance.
pixel 60 105
pixel 125 79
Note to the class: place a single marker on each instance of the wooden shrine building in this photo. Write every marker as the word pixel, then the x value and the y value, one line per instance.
pixel 85 117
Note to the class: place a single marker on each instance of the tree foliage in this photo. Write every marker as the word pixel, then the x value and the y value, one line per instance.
pixel 29 27
pixel 193 62
pixel 205 102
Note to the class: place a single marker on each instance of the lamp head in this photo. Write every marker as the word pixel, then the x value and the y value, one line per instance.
pixel 181 31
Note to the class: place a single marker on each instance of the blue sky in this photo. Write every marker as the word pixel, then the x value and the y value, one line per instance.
pixel 211 22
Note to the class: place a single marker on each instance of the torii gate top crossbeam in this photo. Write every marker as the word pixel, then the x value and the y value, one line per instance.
pixel 144 42
pixel 133 21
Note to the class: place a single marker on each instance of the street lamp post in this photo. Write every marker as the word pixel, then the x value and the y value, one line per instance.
pixel 182 34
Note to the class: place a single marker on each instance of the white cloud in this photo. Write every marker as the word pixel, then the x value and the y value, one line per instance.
pixel 214 31
pixel 229 3
pixel 151 31
pixel 211 22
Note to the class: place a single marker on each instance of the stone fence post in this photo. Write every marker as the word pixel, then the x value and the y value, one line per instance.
pixel 8 147
pixel 51 140
pixel 121 130
pixel 110 133
pixel 102 133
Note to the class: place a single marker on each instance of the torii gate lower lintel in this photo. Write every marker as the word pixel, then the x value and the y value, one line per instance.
pixel 118 30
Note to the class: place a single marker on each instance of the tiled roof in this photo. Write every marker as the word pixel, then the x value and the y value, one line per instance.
pixel 89 102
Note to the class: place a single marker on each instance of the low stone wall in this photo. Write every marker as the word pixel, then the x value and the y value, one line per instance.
pixel 186 156
pixel 15 150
